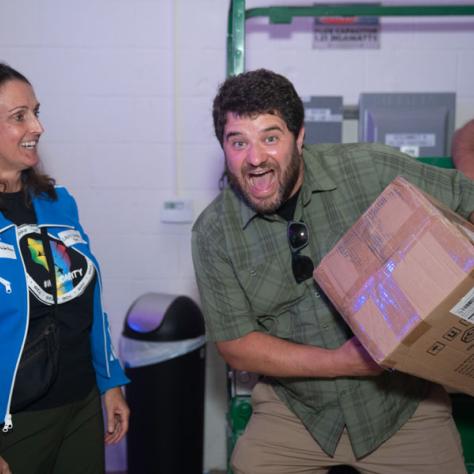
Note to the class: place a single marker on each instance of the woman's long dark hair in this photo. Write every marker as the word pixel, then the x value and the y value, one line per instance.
pixel 33 182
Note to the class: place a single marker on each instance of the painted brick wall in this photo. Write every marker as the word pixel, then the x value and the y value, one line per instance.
pixel 126 90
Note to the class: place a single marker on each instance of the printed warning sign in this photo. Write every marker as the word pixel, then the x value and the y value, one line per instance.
pixel 357 32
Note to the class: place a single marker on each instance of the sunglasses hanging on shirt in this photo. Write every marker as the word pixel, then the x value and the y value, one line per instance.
pixel 298 238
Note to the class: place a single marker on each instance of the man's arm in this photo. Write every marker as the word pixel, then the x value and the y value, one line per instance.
pixel 268 355
pixel 228 315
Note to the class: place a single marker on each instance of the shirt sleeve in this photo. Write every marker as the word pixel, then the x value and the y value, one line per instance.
pixel 226 310
pixel 449 186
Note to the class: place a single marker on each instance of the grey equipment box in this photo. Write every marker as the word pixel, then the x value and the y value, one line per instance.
pixel 419 124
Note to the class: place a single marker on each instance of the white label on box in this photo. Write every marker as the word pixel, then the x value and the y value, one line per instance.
pixel 465 307
pixel 411 150
pixel 321 115
pixel 398 140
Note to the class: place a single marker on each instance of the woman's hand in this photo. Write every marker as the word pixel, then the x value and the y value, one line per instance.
pixel 4 468
pixel 117 414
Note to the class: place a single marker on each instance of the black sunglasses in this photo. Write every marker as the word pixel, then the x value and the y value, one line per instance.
pixel 298 238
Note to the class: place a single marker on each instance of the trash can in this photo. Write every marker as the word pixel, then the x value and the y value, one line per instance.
pixel 163 351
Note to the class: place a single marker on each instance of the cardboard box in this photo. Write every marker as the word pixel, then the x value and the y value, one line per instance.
pixel 403 279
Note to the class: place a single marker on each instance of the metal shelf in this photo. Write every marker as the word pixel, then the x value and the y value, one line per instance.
pixel 285 14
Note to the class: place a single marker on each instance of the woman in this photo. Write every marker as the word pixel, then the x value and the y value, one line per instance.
pixel 51 317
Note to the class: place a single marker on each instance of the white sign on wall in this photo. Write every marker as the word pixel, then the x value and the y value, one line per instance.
pixel 357 32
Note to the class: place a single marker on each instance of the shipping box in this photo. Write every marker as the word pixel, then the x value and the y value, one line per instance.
pixel 403 279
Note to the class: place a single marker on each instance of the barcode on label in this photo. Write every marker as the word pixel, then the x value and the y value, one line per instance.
pixel 465 307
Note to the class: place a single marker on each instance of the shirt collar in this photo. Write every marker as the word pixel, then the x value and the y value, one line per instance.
pixel 316 177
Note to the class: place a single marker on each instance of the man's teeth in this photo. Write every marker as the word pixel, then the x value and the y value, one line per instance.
pixel 29 145
pixel 259 173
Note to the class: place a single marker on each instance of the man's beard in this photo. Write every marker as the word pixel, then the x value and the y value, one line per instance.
pixel 288 181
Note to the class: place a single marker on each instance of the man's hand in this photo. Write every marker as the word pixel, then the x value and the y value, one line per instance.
pixel 4 468
pixel 355 360
pixel 117 414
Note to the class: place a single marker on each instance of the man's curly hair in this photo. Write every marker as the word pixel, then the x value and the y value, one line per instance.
pixel 254 93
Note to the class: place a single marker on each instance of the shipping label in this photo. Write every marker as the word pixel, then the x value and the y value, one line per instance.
pixel 465 307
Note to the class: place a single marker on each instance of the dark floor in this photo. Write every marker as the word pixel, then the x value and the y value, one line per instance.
pixel 343 470
pixel 334 470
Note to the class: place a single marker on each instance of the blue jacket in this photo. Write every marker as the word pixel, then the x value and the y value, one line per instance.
pixel 62 220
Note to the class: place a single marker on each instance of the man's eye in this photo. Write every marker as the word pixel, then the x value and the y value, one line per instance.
pixel 271 139
pixel 37 113
pixel 238 145
pixel 19 117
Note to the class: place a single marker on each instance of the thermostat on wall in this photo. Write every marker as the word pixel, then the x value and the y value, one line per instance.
pixel 177 210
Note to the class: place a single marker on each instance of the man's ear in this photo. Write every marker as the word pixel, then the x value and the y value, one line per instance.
pixel 300 140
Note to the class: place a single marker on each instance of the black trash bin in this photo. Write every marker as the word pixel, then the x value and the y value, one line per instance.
pixel 163 351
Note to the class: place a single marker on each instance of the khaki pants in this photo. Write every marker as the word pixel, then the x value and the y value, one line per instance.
pixel 276 442
pixel 63 440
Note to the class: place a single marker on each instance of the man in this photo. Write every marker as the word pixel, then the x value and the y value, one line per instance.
pixel 463 149
pixel 323 400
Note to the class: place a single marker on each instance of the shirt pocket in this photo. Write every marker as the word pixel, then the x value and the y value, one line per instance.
pixel 301 321
pixel 273 296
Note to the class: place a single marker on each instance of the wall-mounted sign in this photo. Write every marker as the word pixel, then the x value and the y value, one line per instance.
pixel 355 32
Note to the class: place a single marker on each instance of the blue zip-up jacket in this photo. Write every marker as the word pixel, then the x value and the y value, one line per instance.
pixel 62 221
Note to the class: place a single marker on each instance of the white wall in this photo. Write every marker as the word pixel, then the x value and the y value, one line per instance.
pixel 126 88
pixel 416 55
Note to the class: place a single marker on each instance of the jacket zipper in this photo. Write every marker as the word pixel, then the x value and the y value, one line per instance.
pixel 8 423
pixel 7 285
pixel 8 417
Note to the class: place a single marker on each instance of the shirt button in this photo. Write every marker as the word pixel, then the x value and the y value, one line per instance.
pixel 316 294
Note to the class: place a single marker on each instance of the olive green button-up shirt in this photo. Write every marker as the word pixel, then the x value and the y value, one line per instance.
pixel 243 267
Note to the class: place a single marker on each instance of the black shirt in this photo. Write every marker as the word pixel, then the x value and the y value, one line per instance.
pixel 71 306
pixel 287 209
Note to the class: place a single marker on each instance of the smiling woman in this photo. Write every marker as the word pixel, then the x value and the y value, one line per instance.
pixel 20 131
pixel 56 350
